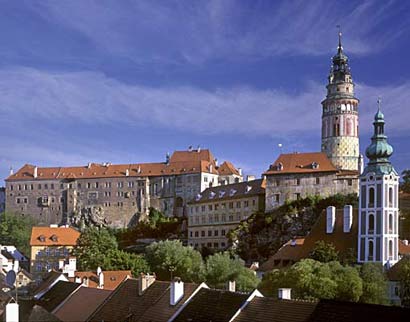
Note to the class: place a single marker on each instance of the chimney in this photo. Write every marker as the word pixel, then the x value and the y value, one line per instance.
pixel 405 242
pixel 144 281
pixel 330 219
pixel 284 293
pixel 231 286
pixel 11 171
pixel 85 281
pixel 250 177
pixel 16 266
pixel 35 173
pixel 347 218
pixel 127 172
pixel 199 149
pixel 216 162
pixel 60 263
pixel 240 171
pixel 77 279
pixel 89 165
pixel 177 291
pixel 167 157
pixel 12 312
pixel 101 280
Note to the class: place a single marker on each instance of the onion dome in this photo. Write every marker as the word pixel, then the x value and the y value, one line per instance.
pixel 379 151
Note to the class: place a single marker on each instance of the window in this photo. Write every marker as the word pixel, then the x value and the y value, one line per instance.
pixel 45 186
pixel 190 234
pixel 79 185
pixel 223 232
pixel 370 255
pixel 276 197
pixel 253 202
pixel 120 184
pixel 216 233
pixel 390 249
pixel 216 206
pixel 231 205
pixel 390 197
pixel 39 187
pixel 216 245
pixel 246 203
pixel 238 204
pixel 297 196
pixel 371 197
pixel 196 234
pixel 88 185
pixel 390 223
pixel 371 224
pixel 210 207
pixel 317 180
pixel 209 233
pixel 205 179
pixel 297 181
pixel 202 208
pixel 202 233
pixel 350 182
pixel 277 183
pixel 96 185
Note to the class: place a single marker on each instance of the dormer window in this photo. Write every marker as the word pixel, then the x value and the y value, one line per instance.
pixel 221 194
pixel 42 238
pixel 54 238
pixel 248 188
pixel 279 166
pixel 212 195
pixel 232 192
pixel 198 197
pixel 315 165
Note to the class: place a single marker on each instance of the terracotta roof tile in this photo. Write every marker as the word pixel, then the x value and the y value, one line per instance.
pixel 227 168
pixel 111 278
pixel 287 255
pixel 301 163
pixel 212 305
pixel 57 294
pixel 265 309
pixel 81 304
pixel 54 236
pixel 125 303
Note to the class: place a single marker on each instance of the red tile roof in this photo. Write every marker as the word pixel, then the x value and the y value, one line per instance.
pixel 301 163
pixel 181 162
pixel 111 278
pixel 227 168
pixel 54 236
pixel 81 304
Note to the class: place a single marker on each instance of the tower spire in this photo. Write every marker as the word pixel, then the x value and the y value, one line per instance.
pixel 379 103
pixel 339 47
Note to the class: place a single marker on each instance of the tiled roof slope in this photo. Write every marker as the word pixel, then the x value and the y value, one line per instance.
pixel 288 254
pixel 111 278
pixel 65 236
pixel 57 294
pixel 341 240
pixel 227 168
pixel 301 163
pixel 181 162
pixel 264 309
pixel 49 279
pixel 212 305
pixel 338 311
pixel 39 314
pixel 80 305
pixel 231 191
pixel 153 305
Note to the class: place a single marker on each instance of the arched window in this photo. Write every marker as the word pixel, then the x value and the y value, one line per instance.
pixel 390 223
pixel 371 224
pixel 370 249
pixel 390 249
pixel 371 198
pixel 349 127
pixel 390 197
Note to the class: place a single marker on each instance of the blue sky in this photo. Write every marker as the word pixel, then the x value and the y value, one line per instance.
pixel 127 81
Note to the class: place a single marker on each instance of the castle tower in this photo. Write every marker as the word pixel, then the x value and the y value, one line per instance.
pixel 340 122
pixel 378 231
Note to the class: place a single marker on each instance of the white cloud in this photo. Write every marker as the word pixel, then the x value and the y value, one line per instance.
pixel 199 31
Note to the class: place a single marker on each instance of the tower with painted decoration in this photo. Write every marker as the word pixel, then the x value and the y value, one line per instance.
pixel 378 202
pixel 340 121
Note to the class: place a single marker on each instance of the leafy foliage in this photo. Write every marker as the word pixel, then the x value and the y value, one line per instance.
pixel 374 284
pixel 16 230
pixel 170 258
pixel 405 282
pixel 221 268
pixel 324 252
pixel 310 279
pixel 98 247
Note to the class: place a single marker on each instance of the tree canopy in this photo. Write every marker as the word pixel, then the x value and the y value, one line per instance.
pixel 16 230
pixel 99 248
pixel 405 186
pixel 170 258
pixel 310 279
pixel 404 276
pixel 221 268
pixel 324 252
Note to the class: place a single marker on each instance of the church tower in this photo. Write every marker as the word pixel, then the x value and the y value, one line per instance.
pixel 340 122
pixel 378 230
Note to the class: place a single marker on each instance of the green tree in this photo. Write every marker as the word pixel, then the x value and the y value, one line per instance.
pixel 404 277
pixel 349 284
pixel 374 284
pixel 170 258
pixel 324 252
pixel 16 230
pixel 121 260
pixel 405 175
pixel 221 268
pixel 92 248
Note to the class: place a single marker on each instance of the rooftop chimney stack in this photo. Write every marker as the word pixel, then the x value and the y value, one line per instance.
pixel 240 171
pixel 101 280
pixel 144 281
pixel 12 312
pixel 177 291
pixel 405 242
pixel 347 218
pixel 11 171
pixel 284 293
pixel 35 174
pixel 250 177
pixel 127 172
pixel 330 219
pixel 231 286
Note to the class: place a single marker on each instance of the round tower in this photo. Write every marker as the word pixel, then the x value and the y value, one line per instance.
pixel 340 121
